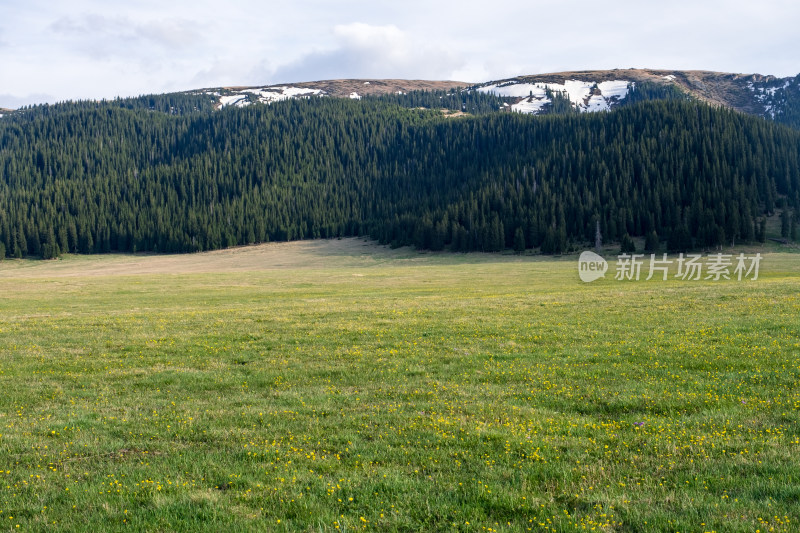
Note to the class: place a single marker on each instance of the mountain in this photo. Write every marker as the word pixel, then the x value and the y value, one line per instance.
pixel 765 96
pixel 213 168
pixel 336 88
pixel 769 97
pixel 595 90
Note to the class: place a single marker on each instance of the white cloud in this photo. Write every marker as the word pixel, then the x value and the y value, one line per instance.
pixel 370 51
pixel 101 36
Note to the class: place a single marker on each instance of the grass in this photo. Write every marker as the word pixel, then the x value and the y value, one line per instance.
pixel 394 391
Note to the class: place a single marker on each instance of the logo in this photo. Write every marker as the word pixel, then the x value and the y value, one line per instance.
pixel 690 267
pixel 591 267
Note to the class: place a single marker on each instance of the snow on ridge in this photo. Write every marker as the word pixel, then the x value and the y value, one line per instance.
pixel 238 100
pixel 771 90
pixel 264 95
pixel 516 90
pixel 580 93
pixel 669 77
pixel 767 96
pixel 613 89
pixel 297 91
pixel 586 96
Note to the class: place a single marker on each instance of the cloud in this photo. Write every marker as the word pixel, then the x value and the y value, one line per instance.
pixel 371 51
pixel 101 36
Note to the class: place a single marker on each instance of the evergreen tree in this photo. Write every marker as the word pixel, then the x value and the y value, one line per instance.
pixel 785 222
pixel 651 243
pixel 627 246
pixel 519 240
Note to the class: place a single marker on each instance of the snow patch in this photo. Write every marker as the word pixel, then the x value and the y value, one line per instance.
pixel 297 91
pixel 597 103
pixel 238 100
pixel 771 91
pixel 669 77
pixel 534 95
pixel 517 90
pixel 613 89
pixel 355 96
pixel 265 95
pixel 578 91
pixel 530 105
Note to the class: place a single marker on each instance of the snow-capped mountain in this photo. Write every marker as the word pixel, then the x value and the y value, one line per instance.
pixel 589 91
pixel 756 94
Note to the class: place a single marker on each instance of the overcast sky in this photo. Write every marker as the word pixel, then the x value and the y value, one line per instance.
pixel 52 51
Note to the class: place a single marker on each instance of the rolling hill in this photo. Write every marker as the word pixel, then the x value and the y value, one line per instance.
pixel 594 90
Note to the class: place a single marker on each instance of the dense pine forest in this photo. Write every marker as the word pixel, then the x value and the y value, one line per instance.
pixel 170 174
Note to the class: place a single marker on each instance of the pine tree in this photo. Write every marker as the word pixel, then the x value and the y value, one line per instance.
pixel 519 240
pixel 785 223
pixel 627 246
pixel 651 243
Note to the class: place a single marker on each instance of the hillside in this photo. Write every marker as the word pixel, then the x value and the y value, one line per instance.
pixel 593 90
pixel 334 88
pixel 737 91
pixel 587 91
pixel 116 176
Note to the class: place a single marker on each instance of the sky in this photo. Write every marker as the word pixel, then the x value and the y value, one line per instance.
pixel 83 49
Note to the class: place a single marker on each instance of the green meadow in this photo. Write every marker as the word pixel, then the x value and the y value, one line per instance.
pixel 341 386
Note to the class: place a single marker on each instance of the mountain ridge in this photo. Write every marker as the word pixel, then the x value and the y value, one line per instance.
pixel 767 96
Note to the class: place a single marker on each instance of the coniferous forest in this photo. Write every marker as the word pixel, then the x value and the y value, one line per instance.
pixel 171 174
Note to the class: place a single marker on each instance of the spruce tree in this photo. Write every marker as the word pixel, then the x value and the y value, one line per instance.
pixel 785 223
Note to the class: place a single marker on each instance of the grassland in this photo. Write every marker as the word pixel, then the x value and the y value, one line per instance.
pixel 341 386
